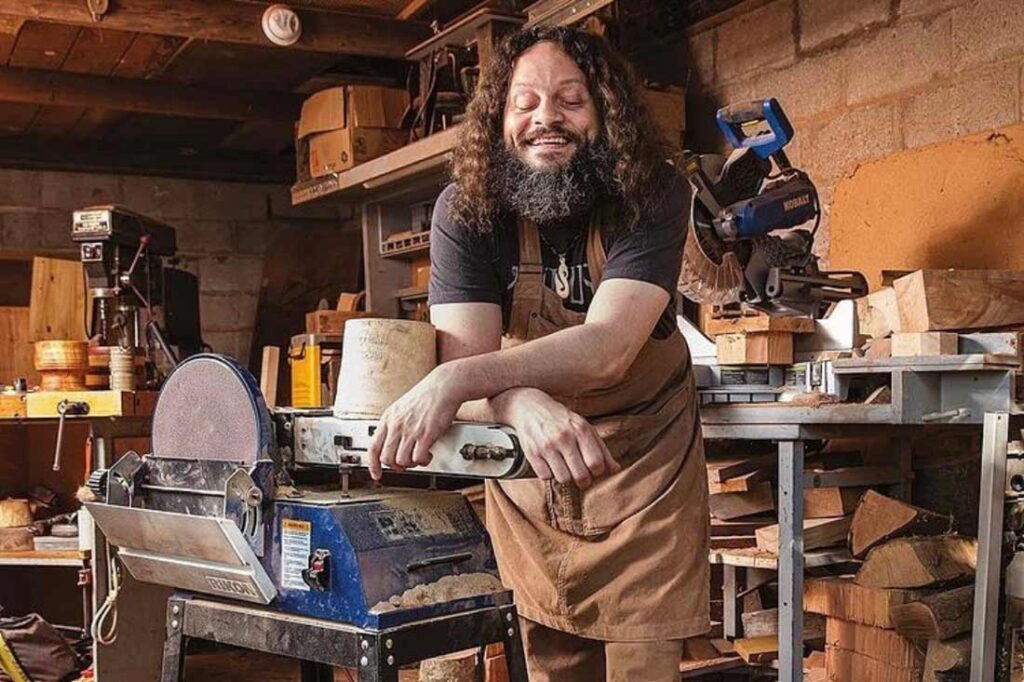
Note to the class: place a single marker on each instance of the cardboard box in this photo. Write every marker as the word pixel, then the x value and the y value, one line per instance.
pixel 339 150
pixel 348 106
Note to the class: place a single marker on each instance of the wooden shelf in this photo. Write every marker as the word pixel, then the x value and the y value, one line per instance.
pixel 417 159
pixel 44 558
pixel 411 294
pixel 406 247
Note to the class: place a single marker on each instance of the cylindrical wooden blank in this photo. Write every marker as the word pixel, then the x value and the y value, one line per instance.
pixel 15 513
pixel 122 369
pixel 62 365
pixel 380 361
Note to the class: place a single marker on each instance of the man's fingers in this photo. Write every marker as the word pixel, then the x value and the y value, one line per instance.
pixel 540 468
pixel 403 454
pixel 558 468
pixel 421 455
pixel 577 467
pixel 590 445
pixel 376 445
pixel 390 450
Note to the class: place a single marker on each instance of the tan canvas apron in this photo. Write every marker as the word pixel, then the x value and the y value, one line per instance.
pixel 626 559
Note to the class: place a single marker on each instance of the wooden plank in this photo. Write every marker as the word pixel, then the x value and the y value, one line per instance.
pixel 919 562
pixel 728 506
pixel 758 649
pixel 768 348
pixel 237 22
pixel 950 659
pixel 718 542
pixel 936 616
pixel 852 477
pixel 268 374
pixel 16 353
pixel 739 484
pixel 744 526
pixel 38 86
pixel 699 649
pixel 878 519
pixel 759 323
pixel 826 532
pixel 842 664
pixel 57 309
pixel 42 45
pixel 825 502
pixel 913 344
pixel 878 315
pixel 945 300
pixel 841 597
pixel 101 403
pixel 880 644
pixel 9 28
pixel 720 470
pixel 765 623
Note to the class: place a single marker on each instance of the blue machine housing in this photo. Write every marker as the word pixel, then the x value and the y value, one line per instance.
pixel 761 126
pixel 379 547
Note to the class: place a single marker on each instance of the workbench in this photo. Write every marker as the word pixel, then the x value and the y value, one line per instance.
pixel 320 645
pixel 952 392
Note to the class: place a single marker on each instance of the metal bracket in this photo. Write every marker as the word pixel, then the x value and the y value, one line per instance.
pixel 243 504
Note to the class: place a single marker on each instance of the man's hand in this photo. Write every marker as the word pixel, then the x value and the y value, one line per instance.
pixel 557 442
pixel 411 425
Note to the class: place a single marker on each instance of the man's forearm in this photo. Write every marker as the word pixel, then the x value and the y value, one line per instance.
pixel 567 362
pixel 496 410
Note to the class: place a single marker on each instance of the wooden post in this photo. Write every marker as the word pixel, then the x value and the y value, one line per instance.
pixel 268 374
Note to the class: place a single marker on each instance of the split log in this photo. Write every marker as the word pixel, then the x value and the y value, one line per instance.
pixel 948 659
pixel 826 532
pixel 766 622
pixel 850 666
pixel 879 518
pixel 937 616
pixel 919 562
pixel 840 597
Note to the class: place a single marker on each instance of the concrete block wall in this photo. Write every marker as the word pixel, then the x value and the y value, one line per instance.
pixel 224 232
pixel 859 78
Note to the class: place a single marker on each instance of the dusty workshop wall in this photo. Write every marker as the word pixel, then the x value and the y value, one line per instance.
pixel 224 230
pixel 859 79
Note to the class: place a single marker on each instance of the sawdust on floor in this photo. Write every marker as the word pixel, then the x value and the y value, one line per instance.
pixel 448 588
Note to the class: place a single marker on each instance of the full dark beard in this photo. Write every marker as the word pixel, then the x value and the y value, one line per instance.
pixel 545 195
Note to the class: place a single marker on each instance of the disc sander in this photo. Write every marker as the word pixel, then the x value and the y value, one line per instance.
pixel 211 408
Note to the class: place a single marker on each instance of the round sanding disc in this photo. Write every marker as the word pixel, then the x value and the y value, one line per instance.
pixel 211 408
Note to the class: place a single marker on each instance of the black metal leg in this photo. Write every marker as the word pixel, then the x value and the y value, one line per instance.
pixel 174 644
pixel 515 657
pixel 310 671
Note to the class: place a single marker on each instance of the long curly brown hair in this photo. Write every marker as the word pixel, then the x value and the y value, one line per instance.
pixel 627 128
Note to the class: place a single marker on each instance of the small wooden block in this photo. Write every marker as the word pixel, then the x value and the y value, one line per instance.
pixel 731 541
pixel 759 348
pixel 331 321
pixel 826 532
pixel 758 649
pixel 911 344
pixel 101 403
pixel 878 314
pixel 728 506
pixel 842 598
pixel 745 526
pixel 826 502
pixel 760 323
pixel 12 405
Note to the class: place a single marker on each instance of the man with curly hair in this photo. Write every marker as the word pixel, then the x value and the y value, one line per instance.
pixel 555 254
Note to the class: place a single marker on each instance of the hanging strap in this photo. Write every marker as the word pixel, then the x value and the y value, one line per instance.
pixel 529 288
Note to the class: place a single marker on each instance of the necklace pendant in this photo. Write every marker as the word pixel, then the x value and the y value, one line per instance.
pixel 562 278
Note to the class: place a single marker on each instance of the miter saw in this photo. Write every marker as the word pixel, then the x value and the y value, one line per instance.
pixel 219 506
pixel 737 250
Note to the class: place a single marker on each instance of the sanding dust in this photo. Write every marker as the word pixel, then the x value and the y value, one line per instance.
pixel 448 588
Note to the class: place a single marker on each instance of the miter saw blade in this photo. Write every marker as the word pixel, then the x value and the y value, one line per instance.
pixel 211 408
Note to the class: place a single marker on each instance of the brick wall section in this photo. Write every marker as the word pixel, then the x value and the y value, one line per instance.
pixel 224 231
pixel 859 80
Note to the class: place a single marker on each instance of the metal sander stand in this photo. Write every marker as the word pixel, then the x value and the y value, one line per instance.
pixel 320 644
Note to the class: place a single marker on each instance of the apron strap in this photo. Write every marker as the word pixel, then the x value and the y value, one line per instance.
pixel 596 256
pixel 528 291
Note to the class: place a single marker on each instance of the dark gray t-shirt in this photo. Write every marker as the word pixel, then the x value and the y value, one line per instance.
pixel 467 267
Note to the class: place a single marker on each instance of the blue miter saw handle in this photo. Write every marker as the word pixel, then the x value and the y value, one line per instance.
pixel 760 125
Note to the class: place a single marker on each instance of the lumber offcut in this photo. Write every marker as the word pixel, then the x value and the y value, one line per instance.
pixel 911 344
pixel 766 622
pixel 727 506
pixel 825 532
pixel 946 300
pixel 841 597
pixel 877 313
pixel 879 518
pixel 936 616
pixel 919 562
pixel 758 649
pixel 851 666
pixel 947 659
pixel 824 502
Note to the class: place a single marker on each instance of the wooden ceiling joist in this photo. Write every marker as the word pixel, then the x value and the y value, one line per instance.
pixel 234 22
pixel 39 86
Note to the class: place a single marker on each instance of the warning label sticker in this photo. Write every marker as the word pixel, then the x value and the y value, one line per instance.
pixel 295 551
